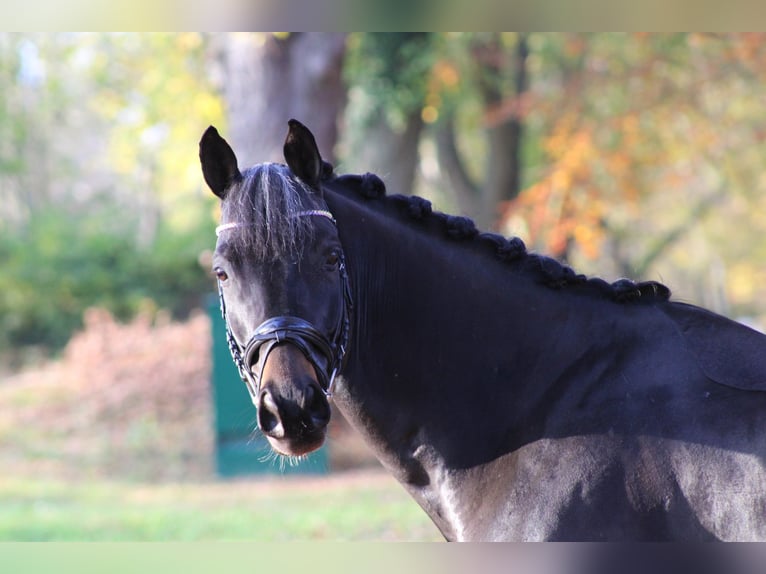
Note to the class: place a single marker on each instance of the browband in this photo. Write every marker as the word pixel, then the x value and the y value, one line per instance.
pixel 308 213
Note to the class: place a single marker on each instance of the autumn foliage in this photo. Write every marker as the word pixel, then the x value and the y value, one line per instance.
pixel 650 147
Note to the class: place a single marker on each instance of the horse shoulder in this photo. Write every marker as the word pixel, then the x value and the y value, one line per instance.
pixel 728 352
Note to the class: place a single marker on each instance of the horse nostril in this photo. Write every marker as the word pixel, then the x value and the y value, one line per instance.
pixel 268 416
pixel 317 407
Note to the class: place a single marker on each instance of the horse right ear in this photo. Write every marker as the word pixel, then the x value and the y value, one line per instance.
pixel 219 164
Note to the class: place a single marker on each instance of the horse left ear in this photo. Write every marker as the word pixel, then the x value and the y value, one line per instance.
pixel 302 154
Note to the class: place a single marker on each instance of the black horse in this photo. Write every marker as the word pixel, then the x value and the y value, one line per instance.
pixel 513 398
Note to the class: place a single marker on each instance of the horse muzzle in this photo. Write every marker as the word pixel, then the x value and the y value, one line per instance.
pixel 290 364
pixel 293 410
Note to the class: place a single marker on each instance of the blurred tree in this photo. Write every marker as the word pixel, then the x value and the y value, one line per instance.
pixel 154 93
pixel 27 110
pixel 269 78
pixel 633 151
pixel 388 77
pixel 646 136
pixel 623 146
pixel 98 178
pixel 497 66
pixel 13 131
pixel 402 83
pixel 90 115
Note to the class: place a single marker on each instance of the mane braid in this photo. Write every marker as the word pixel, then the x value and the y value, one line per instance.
pixel 266 203
pixel 513 251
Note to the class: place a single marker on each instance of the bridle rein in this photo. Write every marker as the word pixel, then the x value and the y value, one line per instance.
pixel 324 352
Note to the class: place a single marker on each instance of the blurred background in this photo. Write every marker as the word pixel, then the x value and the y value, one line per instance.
pixel 624 155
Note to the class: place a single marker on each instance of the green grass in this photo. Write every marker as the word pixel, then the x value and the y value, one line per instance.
pixel 366 507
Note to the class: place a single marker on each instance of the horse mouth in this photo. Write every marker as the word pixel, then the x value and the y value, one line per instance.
pixel 291 429
pixel 301 445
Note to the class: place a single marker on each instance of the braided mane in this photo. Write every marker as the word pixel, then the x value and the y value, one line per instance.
pixel 512 250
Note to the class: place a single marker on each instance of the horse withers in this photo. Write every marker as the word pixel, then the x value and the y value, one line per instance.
pixel 512 397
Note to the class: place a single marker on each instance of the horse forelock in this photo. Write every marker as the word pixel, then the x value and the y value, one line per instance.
pixel 512 251
pixel 266 203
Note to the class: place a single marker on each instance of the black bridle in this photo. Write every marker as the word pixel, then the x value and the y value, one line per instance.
pixel 319 349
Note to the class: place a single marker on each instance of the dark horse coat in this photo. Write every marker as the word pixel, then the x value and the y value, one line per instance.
pixel 513 398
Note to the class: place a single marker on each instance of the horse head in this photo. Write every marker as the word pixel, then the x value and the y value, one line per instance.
pixel 283 285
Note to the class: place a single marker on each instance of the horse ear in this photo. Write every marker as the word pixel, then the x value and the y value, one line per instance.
pixel 302 154
pixel 219 164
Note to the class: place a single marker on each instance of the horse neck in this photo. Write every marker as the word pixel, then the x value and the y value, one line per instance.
pixel 435 319
pixel 451 362
pixel 412 286
pixel 405 284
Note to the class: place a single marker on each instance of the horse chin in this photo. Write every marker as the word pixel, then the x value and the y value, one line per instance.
pixel 298 446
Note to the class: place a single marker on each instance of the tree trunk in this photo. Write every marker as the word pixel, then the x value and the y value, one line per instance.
pixel 466 192
pixel 504 136
pixel 269 79
pixel 504 133
pixel 390 68
pixel 391 154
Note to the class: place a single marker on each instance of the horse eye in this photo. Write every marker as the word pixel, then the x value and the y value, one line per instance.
pixel 332 259
pixel 220 274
